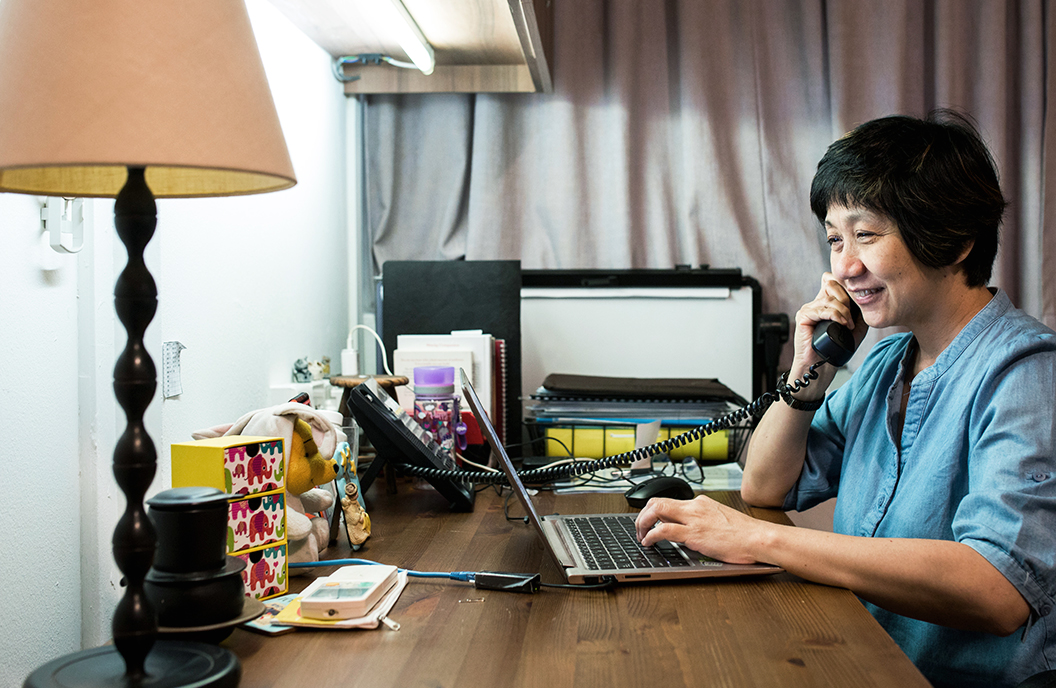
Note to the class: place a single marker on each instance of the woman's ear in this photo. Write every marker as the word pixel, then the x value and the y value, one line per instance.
pixel 964 252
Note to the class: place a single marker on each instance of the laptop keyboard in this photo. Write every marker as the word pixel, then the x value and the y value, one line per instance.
pixel 609 542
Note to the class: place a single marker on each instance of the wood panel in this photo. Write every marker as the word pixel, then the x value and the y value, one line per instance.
pixel 458 79
pixel 480 46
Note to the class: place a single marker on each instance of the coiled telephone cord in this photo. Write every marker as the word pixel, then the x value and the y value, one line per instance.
pixel 540 475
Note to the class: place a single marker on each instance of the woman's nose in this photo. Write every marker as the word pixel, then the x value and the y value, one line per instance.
pixel 846 264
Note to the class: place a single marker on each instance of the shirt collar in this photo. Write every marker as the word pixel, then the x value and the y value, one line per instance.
pixel 994 309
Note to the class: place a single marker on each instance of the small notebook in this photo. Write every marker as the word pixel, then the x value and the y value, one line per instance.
pixel 291 614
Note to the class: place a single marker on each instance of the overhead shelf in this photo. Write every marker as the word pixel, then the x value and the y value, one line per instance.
pixel 498 46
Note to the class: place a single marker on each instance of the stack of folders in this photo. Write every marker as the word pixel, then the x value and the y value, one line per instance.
pixel 593 417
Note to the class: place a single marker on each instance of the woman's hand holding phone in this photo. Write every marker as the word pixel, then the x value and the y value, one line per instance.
pixel 777 448
pixel 834 319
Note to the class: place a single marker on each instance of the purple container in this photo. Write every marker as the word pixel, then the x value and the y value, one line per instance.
pixel 434 381
pixel 436 407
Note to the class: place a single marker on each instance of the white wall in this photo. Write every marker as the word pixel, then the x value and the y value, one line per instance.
pixel 247 284
pixel 39 508
pixel 250 284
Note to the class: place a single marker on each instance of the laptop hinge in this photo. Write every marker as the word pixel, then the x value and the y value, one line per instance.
pixel 560 548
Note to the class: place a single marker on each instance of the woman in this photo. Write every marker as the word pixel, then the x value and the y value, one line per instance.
pixel 940 448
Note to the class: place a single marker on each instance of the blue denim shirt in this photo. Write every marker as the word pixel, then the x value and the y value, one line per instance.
pixel 976 466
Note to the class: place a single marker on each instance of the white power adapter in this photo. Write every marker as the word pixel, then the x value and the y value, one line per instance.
pixel 349 358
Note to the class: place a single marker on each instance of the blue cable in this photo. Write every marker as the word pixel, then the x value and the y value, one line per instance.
pixel 466 576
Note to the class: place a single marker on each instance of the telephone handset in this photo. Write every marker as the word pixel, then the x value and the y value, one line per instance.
pixel 833 341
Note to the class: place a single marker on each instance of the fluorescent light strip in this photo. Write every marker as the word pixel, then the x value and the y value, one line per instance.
pixel 395 17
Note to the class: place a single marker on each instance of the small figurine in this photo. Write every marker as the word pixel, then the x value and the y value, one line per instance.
pixel 357 522
pixel 300 371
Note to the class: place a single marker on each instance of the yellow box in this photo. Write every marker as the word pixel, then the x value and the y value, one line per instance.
pixel 716 447
pixel 236 464
pixel 596 442
pixel 250 469
pixel 618 439
pixel 588 442
pixel 713 447
pixel 686 451
pixel 564 436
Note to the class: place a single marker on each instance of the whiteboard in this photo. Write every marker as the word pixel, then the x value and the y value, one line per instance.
pixel 670 332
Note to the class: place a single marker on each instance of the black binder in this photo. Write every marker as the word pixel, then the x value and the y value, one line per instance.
pixel 436 297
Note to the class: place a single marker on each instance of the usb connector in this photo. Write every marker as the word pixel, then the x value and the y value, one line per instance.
pixel 507 582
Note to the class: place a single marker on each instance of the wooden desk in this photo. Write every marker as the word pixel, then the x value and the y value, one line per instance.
pixel 769 631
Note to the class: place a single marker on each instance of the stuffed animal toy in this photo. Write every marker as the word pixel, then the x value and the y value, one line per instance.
pixel 310 438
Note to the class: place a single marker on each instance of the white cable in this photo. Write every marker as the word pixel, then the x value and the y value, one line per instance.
pixel 477 465
pixel 381 345
pixel 399 63
pixel 563 462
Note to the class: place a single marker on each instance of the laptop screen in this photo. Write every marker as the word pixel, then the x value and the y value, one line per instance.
pixel 504 459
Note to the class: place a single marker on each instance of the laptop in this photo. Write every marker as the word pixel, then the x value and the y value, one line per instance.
pixel 590 548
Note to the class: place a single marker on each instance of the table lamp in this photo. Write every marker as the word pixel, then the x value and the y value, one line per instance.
pixel 136 99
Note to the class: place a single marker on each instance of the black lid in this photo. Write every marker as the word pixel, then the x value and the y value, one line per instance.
pixel 188 498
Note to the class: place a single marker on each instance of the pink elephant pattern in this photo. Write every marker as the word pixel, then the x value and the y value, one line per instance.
pixel 259 470
pixel 260 526
pixel 256 521
pixel 254 467
pixel 239 510
pixel 265 572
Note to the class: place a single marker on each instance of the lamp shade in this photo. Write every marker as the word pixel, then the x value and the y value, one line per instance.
pixel 90 88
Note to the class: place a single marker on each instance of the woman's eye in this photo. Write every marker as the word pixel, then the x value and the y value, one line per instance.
pixel 864 236
pixel 832 241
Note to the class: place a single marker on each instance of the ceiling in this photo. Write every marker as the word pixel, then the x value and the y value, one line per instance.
pixel 479 45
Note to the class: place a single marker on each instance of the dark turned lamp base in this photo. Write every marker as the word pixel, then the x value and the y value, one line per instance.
pixel 170 664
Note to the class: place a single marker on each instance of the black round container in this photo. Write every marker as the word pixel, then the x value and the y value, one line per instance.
pixel 191 523
pixel 185 600
pixel 193 582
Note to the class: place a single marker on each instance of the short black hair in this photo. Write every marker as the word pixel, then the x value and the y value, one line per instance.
pixel 933 177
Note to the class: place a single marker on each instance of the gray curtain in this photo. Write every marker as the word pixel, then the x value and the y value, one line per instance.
pixel 688 133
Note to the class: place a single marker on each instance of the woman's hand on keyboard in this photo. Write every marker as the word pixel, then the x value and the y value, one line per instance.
pixel 702 524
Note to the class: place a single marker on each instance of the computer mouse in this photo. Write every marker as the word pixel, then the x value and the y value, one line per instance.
pixel 660 486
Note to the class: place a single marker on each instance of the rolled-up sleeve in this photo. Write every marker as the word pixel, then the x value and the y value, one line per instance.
pixel 1009 512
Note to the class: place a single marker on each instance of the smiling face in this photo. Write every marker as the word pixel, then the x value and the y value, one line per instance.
pixel 872 262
